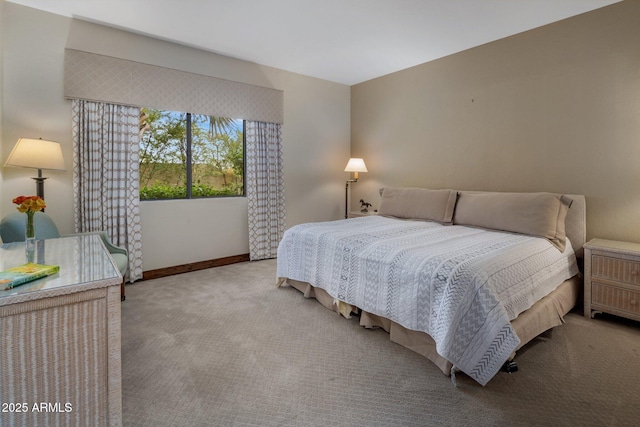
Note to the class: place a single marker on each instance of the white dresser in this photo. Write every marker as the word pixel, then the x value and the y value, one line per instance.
pixel 60 350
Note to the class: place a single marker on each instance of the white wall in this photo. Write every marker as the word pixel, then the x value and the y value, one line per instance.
pixel 316 133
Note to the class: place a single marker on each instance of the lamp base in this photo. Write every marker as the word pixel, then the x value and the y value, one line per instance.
pixel 346 197
pixel 39 185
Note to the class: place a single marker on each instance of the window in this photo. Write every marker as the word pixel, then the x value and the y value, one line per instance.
pixel 185 155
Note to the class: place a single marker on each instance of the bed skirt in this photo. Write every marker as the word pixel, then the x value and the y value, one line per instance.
pixel 547 313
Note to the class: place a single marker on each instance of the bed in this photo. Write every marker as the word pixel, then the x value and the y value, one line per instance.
pixel 463 278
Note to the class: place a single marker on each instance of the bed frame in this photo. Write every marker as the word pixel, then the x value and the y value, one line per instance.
pixel 547 313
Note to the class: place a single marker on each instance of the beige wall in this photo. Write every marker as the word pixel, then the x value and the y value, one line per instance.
pixel 315 133
pixel 33 104
pixel 553 109
pixel 2 155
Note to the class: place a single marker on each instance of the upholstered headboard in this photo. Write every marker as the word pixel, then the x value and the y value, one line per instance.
pixel 438 205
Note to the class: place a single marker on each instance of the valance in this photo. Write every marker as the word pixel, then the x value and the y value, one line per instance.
pixel 98 77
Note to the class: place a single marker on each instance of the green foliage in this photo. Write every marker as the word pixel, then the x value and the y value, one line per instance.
pixel 160 191
pixel 163 145
pixel 217 155
pixel 180 192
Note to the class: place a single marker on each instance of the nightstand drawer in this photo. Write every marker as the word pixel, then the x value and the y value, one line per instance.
pixel 620 270
pixel 614 297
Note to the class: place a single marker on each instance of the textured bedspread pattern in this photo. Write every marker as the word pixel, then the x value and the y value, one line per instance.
pixel 460 285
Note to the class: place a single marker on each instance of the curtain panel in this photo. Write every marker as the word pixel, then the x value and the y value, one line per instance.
pixel 106 175
pixel 265 188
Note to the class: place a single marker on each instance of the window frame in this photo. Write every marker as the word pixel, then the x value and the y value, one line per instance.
pixel 189 164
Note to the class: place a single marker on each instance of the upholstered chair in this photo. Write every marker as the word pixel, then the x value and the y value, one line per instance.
pixel 13 228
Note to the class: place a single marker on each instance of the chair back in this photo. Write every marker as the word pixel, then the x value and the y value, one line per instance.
pixel 13 227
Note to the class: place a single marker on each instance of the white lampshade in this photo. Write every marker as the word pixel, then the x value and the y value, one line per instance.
pixel 356 165
pixel 37 154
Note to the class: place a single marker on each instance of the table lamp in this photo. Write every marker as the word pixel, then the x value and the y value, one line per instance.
pixel 37 154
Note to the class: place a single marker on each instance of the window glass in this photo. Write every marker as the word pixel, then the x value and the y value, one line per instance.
pixel 186 155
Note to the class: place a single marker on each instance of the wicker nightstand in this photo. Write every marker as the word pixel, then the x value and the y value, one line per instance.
pixel 612 278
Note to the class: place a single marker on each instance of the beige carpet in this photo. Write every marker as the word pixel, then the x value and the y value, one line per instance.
pixel 224 347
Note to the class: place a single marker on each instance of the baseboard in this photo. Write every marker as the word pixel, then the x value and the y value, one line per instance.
pixel 201 265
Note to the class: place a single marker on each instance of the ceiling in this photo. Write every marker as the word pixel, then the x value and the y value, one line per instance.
pixel 344 41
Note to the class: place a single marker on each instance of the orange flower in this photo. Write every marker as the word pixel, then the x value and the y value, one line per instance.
pixel 29 203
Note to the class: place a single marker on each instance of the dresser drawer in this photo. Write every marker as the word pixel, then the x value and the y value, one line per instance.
pixel 620 270
pixel 615 297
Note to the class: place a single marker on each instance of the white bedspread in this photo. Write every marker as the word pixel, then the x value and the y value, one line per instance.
pixel 460 285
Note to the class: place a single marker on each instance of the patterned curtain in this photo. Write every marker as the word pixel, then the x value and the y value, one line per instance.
pixel 106 175
pixel 265 189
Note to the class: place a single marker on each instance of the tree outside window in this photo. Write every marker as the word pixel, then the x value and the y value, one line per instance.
pixel 185 155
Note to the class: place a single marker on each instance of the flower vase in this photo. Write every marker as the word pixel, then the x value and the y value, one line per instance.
pixel 30 232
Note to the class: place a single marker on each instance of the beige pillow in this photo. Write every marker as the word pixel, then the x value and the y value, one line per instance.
pixel 418 203
pixel 534 214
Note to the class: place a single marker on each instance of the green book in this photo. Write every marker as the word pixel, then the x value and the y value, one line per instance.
pixel 25 273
